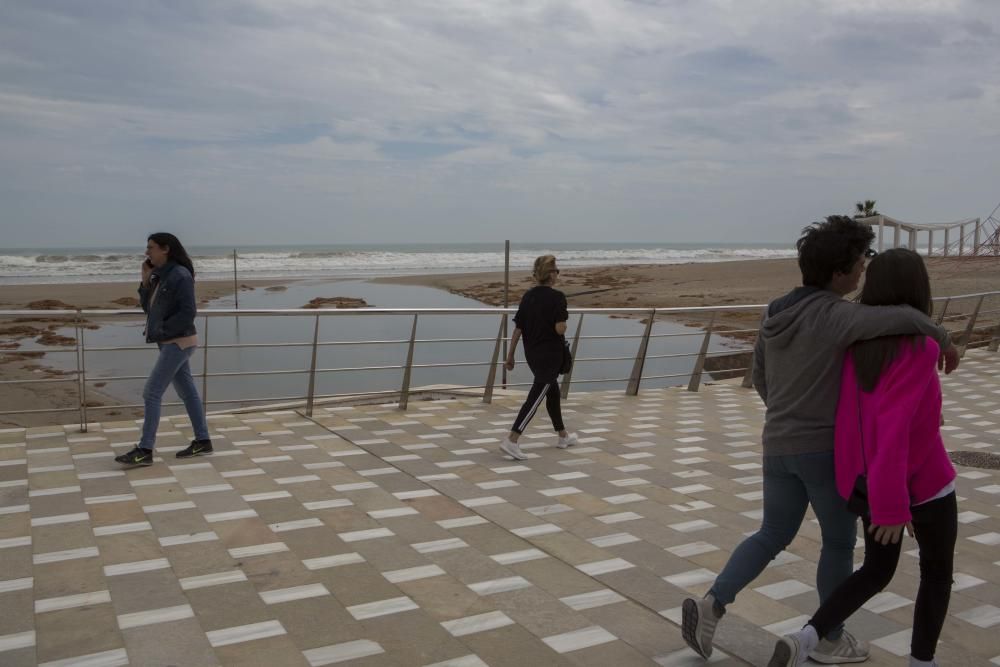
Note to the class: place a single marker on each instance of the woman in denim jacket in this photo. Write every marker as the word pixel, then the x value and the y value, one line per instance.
pixel 167 297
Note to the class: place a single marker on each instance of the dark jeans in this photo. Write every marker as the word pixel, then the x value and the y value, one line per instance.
pixel 549 391
pixel 792 482
pixel 935 527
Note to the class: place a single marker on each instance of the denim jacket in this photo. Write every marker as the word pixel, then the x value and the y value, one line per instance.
pixel 173 311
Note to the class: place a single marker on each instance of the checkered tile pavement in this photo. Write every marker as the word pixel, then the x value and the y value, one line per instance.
pixel 372 536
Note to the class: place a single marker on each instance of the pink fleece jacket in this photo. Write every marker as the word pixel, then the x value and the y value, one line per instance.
pixel 900 420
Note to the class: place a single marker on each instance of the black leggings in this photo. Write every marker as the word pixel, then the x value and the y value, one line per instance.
pixel 935 526
pixel 549 390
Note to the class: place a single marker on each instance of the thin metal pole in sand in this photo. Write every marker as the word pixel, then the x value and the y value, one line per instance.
pixel 236 286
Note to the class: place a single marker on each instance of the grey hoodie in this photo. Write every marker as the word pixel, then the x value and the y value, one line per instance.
pixel 798 358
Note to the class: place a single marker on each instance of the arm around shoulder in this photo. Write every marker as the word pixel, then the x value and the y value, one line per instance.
pixel 855 321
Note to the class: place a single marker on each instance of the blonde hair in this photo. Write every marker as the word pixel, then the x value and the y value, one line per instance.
pixel 545 269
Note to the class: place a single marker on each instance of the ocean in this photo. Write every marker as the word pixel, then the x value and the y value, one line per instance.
pixel 111 264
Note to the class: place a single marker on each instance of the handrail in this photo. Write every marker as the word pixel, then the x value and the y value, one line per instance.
pixel 76 319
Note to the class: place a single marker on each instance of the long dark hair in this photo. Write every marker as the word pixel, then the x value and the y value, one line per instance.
pixel 894 277
pixel 177 252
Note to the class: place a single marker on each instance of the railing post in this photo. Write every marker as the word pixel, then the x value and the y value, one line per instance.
pixel 204 369
pixel 699 364
pixel 310 395
pixel 635 378
pixel 81 372
pixel 568 378
pixel 944 309
pixel 404 391
pixel 995 341
pixel 491 377
pixel 748 375
pixel 969 327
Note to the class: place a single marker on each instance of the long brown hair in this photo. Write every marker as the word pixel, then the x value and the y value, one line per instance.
pixel 894 277
pixel 177 252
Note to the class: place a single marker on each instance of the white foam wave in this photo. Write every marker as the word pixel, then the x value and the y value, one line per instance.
pixel 51 267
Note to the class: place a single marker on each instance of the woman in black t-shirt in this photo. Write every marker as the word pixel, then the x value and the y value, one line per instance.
pixel 541 322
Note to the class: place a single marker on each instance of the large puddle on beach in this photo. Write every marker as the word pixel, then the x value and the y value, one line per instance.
pixel 615 364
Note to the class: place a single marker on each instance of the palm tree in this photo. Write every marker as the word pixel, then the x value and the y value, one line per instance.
pixel 865 209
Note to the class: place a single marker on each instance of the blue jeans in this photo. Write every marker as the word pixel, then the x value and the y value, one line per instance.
pixel 171 367
pixel 791 483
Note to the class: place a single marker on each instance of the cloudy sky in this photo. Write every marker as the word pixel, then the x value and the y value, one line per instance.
pixel 301 121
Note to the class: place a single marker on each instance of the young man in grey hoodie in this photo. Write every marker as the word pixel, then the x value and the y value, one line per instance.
pixel 796 370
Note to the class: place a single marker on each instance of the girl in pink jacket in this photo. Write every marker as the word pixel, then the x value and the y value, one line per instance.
pixel 888 432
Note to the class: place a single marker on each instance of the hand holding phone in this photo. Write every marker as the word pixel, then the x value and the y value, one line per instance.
pixel 147 270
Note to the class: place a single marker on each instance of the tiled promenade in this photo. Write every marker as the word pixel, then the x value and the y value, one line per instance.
pixel 372 536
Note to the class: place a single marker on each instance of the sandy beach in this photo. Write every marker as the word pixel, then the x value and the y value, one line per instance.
pixel 696 284
pixel 642 286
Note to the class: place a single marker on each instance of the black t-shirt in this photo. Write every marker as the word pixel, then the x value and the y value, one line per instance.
pixel 540 308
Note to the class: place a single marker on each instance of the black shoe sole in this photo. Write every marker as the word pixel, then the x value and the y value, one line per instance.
pixel 689 627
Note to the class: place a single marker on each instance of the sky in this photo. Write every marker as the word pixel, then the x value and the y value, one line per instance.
pixel 371 121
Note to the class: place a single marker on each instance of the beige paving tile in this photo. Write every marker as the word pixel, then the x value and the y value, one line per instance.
pixel 52 580
pixel 154 589
pixel 45 539
pixel 174 643
pixel 239 605
pixel 316 622
pixel 75 632
pixel 262 653
pixel 129 547
pixel 190 560
pixel 412 639
pixel 18 611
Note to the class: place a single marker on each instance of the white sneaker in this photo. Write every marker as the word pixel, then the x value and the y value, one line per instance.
pixel 698 622
pixel 512 450
pixel 846 649
pixel 568 441
pixel 788 653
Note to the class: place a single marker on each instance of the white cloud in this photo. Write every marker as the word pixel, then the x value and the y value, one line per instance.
pixel 446 107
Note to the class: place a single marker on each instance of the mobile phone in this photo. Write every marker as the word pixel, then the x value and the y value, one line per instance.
pixel 148 262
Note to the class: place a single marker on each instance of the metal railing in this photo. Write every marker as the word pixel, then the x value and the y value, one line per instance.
pixel 78 319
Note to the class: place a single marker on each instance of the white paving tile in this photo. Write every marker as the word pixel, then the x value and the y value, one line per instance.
pixel 361 612
pixel 503 585
pixel 114 658
pixel 153 616
pixel 214 579
pixel 598 598
pixel 337 653
pixel 244 633
pixel 460 627
pixel 293 593
pixel 413 573
pixel 72 601
pixel 595 635
pixel 336 560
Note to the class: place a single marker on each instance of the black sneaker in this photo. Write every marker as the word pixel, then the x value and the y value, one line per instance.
pixel 196 448
pixel 136 457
